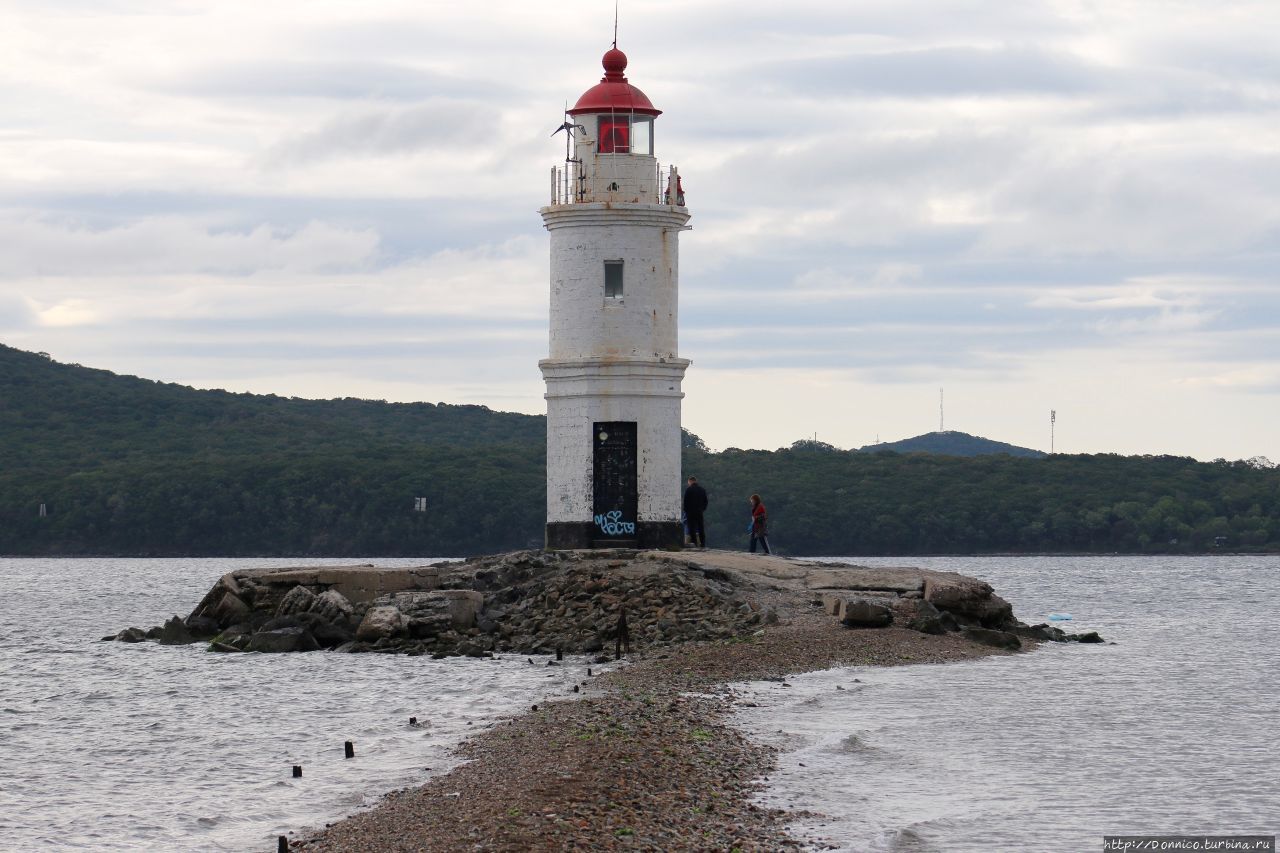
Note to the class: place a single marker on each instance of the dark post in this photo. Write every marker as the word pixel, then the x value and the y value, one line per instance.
pixel 623 636
pixel 350 748
pixel 413 721
pixel 282 845
pixel 297 771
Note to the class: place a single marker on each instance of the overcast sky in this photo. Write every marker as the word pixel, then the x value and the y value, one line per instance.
pixel 1036 205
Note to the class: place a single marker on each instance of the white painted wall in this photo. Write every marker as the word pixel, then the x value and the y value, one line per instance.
pixel 583 392
pixel 643 323
pixel 613 359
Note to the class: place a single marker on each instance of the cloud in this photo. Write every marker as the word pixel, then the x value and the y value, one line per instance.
pixel 31 246
pixel 1005 197
pixel 15 312
pixel 330 80
pixel 936 71
pixel 438 126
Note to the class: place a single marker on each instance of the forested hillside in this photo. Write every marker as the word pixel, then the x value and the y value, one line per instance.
pixel 129 466
pixel 827 501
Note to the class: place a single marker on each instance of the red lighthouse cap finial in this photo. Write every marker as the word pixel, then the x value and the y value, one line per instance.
pixel 614 62
pixel 613 94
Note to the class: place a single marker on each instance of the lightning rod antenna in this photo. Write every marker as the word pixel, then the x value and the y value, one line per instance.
pixel 615 23
pixel 1053 421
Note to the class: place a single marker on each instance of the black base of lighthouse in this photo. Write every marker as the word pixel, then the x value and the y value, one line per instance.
pixel 649 535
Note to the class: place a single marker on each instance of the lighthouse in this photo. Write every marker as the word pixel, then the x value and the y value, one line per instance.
pixel 613 372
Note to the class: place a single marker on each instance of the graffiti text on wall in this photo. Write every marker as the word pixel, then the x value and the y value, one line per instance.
pixel 611 524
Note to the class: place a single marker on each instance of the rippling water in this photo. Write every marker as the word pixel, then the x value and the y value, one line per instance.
pixel 1174 729
pixel 113 746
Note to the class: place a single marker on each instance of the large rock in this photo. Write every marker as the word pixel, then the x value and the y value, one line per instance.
pixel 202 626
pixel 930 620
pixel 131 635
pixel 463 604
pixel 283 640
pixel 332 606
pixel 1040 632
pixel 971 600
pixel 327 634
pixel 859 613
pixel 379 622
pixel 429 614
pixel 989 637
pixel 954 592
pixel 229 610
pixel 175 633
pixel 297 600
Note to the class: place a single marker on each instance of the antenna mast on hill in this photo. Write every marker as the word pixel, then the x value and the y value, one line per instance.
pixel 1053 420
pixel 941 418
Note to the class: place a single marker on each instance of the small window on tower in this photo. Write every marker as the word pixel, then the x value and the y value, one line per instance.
pixel 613 279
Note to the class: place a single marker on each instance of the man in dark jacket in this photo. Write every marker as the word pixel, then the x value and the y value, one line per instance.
pixel 695 504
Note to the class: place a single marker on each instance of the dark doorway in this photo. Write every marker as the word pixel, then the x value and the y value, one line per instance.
pixel 616 485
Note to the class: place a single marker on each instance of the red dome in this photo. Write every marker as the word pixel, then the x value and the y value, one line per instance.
pixel 613 93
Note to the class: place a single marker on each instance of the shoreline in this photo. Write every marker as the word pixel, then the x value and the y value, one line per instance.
pixel 92 555
pixel 645 758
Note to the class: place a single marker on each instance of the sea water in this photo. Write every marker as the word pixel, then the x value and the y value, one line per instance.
pixel 115 746
pixel 1173 729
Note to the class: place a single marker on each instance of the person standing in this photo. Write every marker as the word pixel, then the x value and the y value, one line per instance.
pixel 695 504
pixel 759 525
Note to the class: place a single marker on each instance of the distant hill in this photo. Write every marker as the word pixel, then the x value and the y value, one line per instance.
pixel 952 443
pixel 73 416
pixel 129 466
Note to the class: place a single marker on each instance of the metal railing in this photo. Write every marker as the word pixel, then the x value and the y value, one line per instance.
pixel 569 185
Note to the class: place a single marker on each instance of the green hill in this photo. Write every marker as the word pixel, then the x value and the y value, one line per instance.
pixel 827 501
pixel 129 466
pixel 952 443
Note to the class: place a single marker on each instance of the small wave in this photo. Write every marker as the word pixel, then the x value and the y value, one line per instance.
pixel 854 744
pixel 907 840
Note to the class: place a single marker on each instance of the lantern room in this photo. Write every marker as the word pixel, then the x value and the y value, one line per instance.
pixel 622 115
pixel 609 155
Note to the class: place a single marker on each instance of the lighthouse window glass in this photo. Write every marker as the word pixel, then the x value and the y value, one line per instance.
pixel 615 134
pixel 613 279
pixel 642 135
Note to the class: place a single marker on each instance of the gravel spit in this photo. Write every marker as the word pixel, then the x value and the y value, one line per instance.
pixel 643 759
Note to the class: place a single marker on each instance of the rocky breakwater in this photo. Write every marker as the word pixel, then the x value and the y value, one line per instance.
pixel 931 602
pixel 573 602
pixel 578 602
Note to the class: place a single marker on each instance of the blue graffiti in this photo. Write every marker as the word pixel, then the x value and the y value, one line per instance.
pixel 610 524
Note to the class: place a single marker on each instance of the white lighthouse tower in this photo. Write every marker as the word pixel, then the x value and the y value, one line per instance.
pixel 613 373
